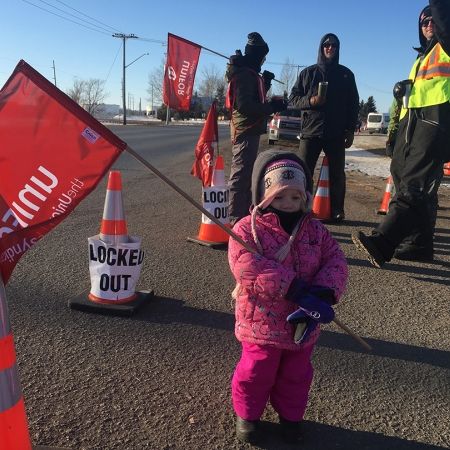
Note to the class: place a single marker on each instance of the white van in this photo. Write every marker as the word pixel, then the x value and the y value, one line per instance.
pixel 377 122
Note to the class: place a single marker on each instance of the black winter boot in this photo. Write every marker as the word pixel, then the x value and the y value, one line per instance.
pixel 247 430
pixel 414 253
pixel 291 432
pixel 368 246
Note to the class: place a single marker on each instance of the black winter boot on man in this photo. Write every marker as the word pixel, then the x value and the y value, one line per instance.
pixel 337 218
pixel 368 245
pixel 247 430
pixel 414 253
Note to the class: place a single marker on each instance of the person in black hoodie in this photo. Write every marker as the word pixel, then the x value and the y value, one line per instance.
pixel 328 121
pixel 421 148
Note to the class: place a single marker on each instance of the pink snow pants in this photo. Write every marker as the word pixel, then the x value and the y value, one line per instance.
pixel 267 373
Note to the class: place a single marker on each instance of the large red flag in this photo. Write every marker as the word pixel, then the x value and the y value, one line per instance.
pixel 204 150
pixel 52 154
pixel 179 74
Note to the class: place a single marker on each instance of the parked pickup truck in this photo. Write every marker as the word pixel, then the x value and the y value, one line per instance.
pixel 285 125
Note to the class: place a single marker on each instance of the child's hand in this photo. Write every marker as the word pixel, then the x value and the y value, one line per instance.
pixel 316 308
pixel 304 326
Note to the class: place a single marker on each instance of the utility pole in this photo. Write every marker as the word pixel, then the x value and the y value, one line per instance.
pixel 152 101
pixel 124 37
pixel 54 72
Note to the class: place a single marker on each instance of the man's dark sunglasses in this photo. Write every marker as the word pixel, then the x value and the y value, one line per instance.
pixel 329 44
pixel 426 22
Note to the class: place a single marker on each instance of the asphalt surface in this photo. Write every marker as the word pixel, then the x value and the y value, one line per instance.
pixel 161 379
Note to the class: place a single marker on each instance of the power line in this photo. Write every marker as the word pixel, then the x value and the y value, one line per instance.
pixel 112 65
pixel 83 14
pixel 156 41
pixel 65 18
pixel 82 22
pixel 76 17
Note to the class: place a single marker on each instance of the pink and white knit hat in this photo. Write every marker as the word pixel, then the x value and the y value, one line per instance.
pixel 280 175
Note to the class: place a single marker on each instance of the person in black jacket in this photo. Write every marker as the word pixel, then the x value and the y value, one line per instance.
pixel 421 148
pixel 328 121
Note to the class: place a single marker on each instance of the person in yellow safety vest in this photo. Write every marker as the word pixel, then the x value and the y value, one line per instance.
pixel 421 148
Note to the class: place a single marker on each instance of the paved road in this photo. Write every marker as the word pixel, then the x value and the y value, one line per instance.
pixel 160 380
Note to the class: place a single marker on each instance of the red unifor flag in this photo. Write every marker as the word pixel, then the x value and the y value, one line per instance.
pixel 179 74
pixel 204 151
pixel 52 155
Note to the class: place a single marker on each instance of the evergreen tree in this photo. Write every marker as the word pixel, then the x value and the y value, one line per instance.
pixel 370 105
pixel 366 107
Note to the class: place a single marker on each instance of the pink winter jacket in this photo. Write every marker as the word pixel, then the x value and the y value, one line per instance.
pixel 261 309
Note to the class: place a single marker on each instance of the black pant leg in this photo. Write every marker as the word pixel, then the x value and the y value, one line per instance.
pixel 244 152
pixel 417 168
pixel 334 149
pixel 309 151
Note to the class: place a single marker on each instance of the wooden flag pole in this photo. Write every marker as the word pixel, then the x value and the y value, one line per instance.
pixel 226 229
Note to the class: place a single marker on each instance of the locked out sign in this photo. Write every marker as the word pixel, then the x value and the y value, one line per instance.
pixel 114 269
pixel 215 201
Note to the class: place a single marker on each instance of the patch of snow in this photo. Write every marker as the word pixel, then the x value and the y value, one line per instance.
pixel 357 159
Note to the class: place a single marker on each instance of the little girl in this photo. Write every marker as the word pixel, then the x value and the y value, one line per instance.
pixel 284 290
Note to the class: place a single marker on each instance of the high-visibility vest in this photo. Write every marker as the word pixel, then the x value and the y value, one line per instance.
pixel 431 80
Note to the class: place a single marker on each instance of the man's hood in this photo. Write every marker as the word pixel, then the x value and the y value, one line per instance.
pixel 424 44
pixel 322 61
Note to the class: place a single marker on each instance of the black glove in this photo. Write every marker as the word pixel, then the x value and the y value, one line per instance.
pixel 348 138
pixel 268 76
pixel 389 148
pixel 237 58
pixel 278 104
pixel 400 88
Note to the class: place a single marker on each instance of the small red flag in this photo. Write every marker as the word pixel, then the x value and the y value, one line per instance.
pixel 53 154
pixel 204 151
pixel 179 73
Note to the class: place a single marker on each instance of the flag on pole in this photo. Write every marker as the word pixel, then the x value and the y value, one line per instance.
pixel 52 155
pixel 179 72
pixel 204 151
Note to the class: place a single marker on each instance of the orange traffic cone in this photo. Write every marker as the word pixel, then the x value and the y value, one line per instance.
pixel 115 261
pixel 215 201
pixel 114 227
pixel 14 433
pixel 384 206
pixel 322 204
pixel 447 169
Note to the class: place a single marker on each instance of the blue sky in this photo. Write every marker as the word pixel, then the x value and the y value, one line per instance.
pixel 376 38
